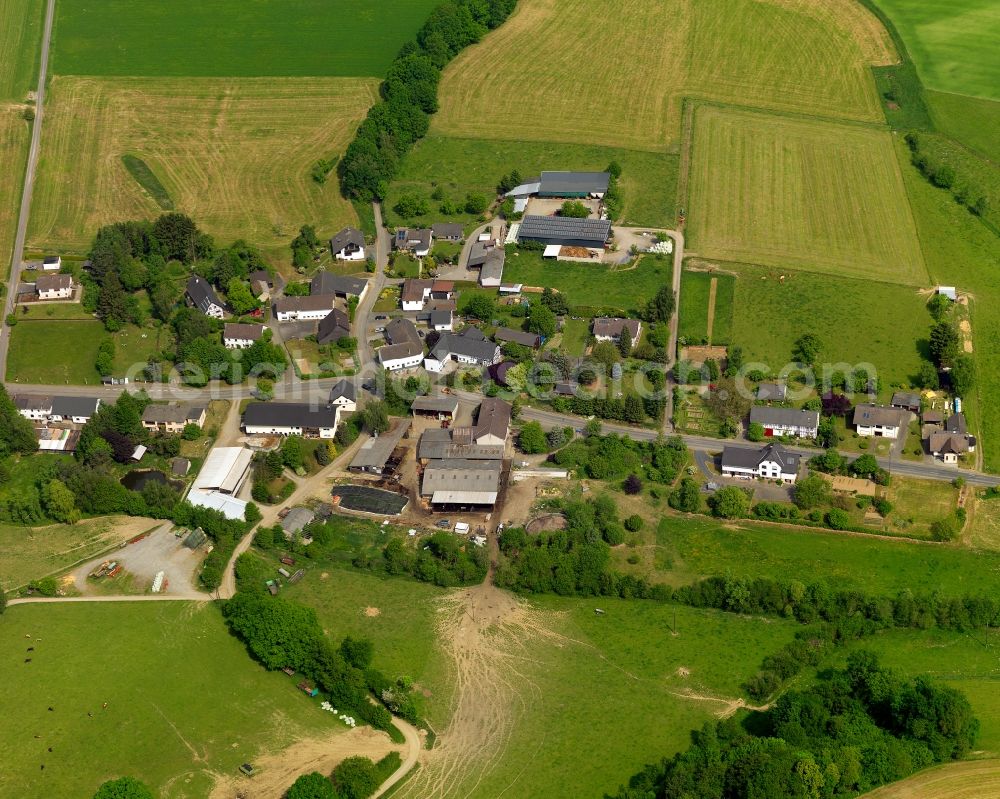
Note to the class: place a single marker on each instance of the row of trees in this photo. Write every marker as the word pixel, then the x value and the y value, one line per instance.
pixel 943 175
pixel 856 729
pixel 614 457
pixel 409 94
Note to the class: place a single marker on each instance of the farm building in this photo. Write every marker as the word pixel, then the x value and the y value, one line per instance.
pixel 202 296
pixel 41 408
pixel 344 395
pixel 333 327
pixel 772 462
pixel 239 336
pixel 290 419
pixel 180 466
pixel 521 337
pixel 296 519
pixel 51 263
pixel 405 349
pixel 493 422
pixel 436 407
pixel 437 443
pixel 172 418
pixel 565 231
pixel 461 482
pixel 772 392
pixel 375 453
pixel 263 284
pixel 907 400
pixel 324 282
pixel 314 307
pixel 878 420
pixel 225 470
pixel 441 321
pixel 348 245
pixel 786 421
pixel 229 506
pixel 578 185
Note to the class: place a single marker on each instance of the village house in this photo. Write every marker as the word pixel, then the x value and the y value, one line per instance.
pixel 525 339
pixel 348 245
pixel 951 440
pixel 470 347
pixel 771 462
pixel 41 408
pixel 291 419
pixel 772 392
pixel 415 293
pixel 441 321
pixel 413 240
pixel 447 231
pixel 610 328
pixel 878 420
pixel 907 400
pixel 202 296
pixel 344 395
pixel 314 307
pixel 785 421
pixel 172 419
pixel 405 348
pixel 237 336
pixel 54 287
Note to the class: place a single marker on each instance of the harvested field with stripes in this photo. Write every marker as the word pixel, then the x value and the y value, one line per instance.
pixel 800 193
pixel 235 154
pixel 559 72
pixel 976 779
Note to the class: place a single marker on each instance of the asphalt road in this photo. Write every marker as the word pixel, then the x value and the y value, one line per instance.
pixel 29 184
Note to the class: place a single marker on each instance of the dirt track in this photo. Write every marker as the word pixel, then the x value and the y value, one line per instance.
pixel 486 633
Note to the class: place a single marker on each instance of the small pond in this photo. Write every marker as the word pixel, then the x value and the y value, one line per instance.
pixel 368 499
pixel 137 479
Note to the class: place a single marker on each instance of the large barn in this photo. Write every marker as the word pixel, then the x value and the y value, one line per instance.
pixel 567 231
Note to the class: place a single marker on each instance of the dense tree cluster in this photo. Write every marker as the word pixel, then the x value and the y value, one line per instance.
pixel 614 457
pixel 409 93
pixel 856 729
pixel 283 634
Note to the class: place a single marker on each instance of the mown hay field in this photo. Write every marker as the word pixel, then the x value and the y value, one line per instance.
pixel 696 304
pixel 953 42
pixel 14 138
pixel 234 154
pixel 20 36
pixel 615 74
pixel 232 37
pixel 975 779
pixel 800 193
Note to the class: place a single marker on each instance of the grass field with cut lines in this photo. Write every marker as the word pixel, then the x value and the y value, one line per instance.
pixel 559 70
pixel 20 36
pixel 800 193
pixel 234 154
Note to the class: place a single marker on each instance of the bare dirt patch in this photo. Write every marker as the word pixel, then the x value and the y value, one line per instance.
pixel 729 706
pixel 966 330
pixel 550 521
pixel 713 288
pixel 277 771
pixel 372 612
pixel 698 355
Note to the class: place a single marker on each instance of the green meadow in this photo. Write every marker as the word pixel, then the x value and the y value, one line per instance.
pixel 233 38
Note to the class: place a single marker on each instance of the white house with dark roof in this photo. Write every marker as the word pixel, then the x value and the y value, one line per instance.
pixel 54 287
pixel 447 231
pixel 291 419
pixel 343 286
pixel 348 245
pixel 203 297
pixel 51 263
pixel 470 347
pixel 771 462
pixel 878 420
pixel 779 421
pixel 311 308
pixel 237 336
pixel 415 293
pixel 345 396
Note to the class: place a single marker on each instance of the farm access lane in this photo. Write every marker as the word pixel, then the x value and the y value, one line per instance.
pixel 17 256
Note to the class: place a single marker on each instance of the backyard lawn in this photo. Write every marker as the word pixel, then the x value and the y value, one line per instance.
pixel 697 305
pixel 54 352
pixel 575 334
pixel 919 503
